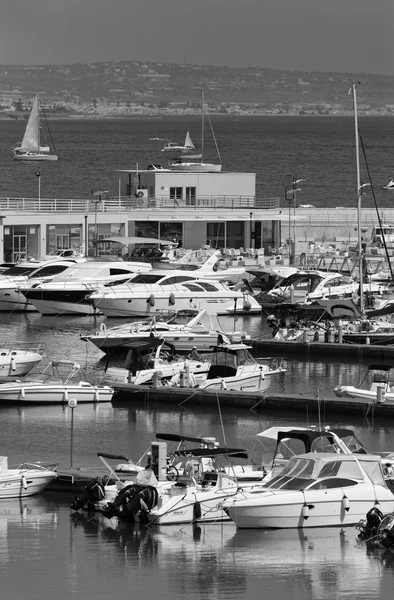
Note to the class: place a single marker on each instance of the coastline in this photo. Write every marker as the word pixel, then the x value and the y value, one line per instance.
pixel 161 115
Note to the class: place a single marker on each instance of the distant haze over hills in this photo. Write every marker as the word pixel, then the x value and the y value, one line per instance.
pixel 126 83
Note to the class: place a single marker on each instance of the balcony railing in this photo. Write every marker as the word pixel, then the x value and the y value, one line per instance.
pixel 116 204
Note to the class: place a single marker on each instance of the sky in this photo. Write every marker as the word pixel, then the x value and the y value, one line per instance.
pixel 353 36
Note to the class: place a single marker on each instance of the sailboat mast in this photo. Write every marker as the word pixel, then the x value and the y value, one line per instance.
pixel 359 196
pixel 202 125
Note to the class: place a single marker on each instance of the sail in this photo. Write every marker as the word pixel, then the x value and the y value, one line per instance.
pixel 31 139
pixel 188 142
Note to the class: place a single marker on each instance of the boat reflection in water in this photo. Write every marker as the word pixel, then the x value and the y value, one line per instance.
pixel 222 562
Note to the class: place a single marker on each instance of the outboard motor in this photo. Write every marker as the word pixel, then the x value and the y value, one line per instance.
pixel 369 527
pixel 94 492
pixel 387 534
pixel 132 500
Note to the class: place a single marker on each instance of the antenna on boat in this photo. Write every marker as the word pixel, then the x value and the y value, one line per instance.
pixel 353 92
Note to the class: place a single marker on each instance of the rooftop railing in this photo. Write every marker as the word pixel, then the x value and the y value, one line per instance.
pixel 116 204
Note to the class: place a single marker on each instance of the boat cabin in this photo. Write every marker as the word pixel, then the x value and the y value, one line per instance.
pixel 225 360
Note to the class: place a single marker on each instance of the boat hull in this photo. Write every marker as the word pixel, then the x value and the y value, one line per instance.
pixel 140 307
pixel 14 363
pixel 35 157
pixel 182 343
pixel 60 307
pixel 37 393
pixel 286 511
pixel 23 484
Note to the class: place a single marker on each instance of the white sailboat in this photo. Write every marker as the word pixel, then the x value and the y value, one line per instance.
pixel 196 163
pixel 30 148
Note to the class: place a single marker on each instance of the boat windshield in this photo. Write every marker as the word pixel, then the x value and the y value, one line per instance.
pixel 306 283
pixel 301 471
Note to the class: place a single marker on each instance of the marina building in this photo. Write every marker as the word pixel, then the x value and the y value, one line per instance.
pixel 192 209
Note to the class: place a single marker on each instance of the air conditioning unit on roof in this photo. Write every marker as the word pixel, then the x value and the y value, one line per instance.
pixel 141 193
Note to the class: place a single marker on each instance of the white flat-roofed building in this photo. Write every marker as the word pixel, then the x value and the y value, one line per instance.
pixel 193 209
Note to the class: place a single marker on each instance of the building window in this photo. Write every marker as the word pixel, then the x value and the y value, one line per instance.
pixel 191 196
pixel 176 193
pixel 216 235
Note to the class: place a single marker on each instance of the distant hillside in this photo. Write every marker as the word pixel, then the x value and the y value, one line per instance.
pixel 130 82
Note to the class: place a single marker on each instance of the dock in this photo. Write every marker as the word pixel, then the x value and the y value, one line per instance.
pixel 269 346
pixel 325 404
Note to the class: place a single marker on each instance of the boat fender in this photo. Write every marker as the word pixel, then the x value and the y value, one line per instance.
pixel 24 482
pixel 223 385
pixel 174 381
pixel 196 511
pixel 96 395
pixel 103 328
pixel 172 299
pixel 13 364
pixel 305 511
pixel 23 393
pixel 247 305
pixel 316 336
pixel 151 300
pixel 262 376
pixel 345 503
pixel 65 396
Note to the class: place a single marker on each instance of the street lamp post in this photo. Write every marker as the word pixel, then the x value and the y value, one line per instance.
pixel 38 174
pixel 294 189
pixel 96 198
pixel 289 199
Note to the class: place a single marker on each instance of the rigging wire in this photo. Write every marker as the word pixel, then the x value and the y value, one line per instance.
pixel 376 206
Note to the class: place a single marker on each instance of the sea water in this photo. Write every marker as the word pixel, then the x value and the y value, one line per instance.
pixel 47 552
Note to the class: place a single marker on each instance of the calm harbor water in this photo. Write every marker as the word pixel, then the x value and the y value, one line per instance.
pixel 47 552
pixel 318 149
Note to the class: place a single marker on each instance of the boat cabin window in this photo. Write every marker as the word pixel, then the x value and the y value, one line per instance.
pixel 207 286
pixel 176 279
pixel 193 287
pixel 119 272
pixel 332 482
pixel 341 468
pixel 49 270
pixel 373 469
pixel 16 271
pixel 306 283
pixel 146 278
pixel 381 378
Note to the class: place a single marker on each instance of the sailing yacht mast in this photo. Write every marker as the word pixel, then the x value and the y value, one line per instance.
pixel 202 125
pixel 359 197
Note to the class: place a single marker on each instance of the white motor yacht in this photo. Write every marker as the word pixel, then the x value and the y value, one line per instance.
pixel 314 490
pixel 309 286
pixel 27 274
pixel 186 329
pixel 25 480
pixel 69 291
pixel 59 382
pixel 147 293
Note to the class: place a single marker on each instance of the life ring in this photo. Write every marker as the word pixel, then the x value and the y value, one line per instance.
pixel 171 299
pixel 103 328
pixel 151 300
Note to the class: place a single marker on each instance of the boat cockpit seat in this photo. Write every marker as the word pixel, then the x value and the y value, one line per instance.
pixel 184 481
pixel 221 371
